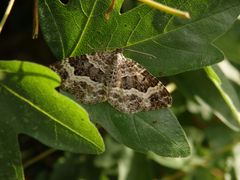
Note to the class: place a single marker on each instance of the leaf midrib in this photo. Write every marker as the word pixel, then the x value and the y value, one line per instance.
pixel 84 29
pixel 45 113
pixel 179 28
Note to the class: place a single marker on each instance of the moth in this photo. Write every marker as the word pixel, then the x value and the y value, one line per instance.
pixel 111 77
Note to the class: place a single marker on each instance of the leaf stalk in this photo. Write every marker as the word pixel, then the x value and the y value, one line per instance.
pixel 166 9
pixel 6 14
pixel 212 75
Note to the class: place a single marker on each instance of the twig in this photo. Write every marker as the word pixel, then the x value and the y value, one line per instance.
pixel 166 9
pixel 6 14
pixel 35 20
pixel 38 158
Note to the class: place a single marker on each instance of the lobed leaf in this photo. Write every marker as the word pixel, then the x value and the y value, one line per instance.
pixel 29 104
pixel 162 43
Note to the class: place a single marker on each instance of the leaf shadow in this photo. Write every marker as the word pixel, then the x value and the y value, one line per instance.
pixel 23 71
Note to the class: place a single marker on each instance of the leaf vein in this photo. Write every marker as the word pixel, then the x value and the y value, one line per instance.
pixel 83 9
pixel 182 50
pixel 58 31
pixel 45 113
pixel 85 28
pixel 179 28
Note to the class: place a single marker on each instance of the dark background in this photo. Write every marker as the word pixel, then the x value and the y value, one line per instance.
pixel 16 37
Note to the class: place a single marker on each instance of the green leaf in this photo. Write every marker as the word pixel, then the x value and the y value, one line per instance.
pixel 124 160
pixel 215 139
pixel 29 104
pixel 174 163
pixel 142 172
pixel 215 91
pixel 229 43
pixel 236 156
pixel 189 163
pixel 157 131
pixel 233 104
pixel 162 43
pixel 78 28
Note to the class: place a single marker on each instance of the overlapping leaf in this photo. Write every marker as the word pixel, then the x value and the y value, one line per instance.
pixel 80 26
pixel 29 104
pixel 157 131
pixel 229 43
pixel 221 98
pixel 162 43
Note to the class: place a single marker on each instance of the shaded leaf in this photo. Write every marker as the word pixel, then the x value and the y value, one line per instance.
pixel 197 86
pixel 215 139
pixel 236 155
pixel 229 43
pixel 74 166
pixel 139 168
pixel 157 131
pixel 162 43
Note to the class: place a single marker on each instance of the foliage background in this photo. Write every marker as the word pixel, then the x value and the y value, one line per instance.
pixel 215 147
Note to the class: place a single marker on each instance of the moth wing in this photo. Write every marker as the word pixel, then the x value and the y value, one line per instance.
pixel 133 89
pixel 81 79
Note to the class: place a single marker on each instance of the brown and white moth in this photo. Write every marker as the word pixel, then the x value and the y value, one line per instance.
pixel 111 77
